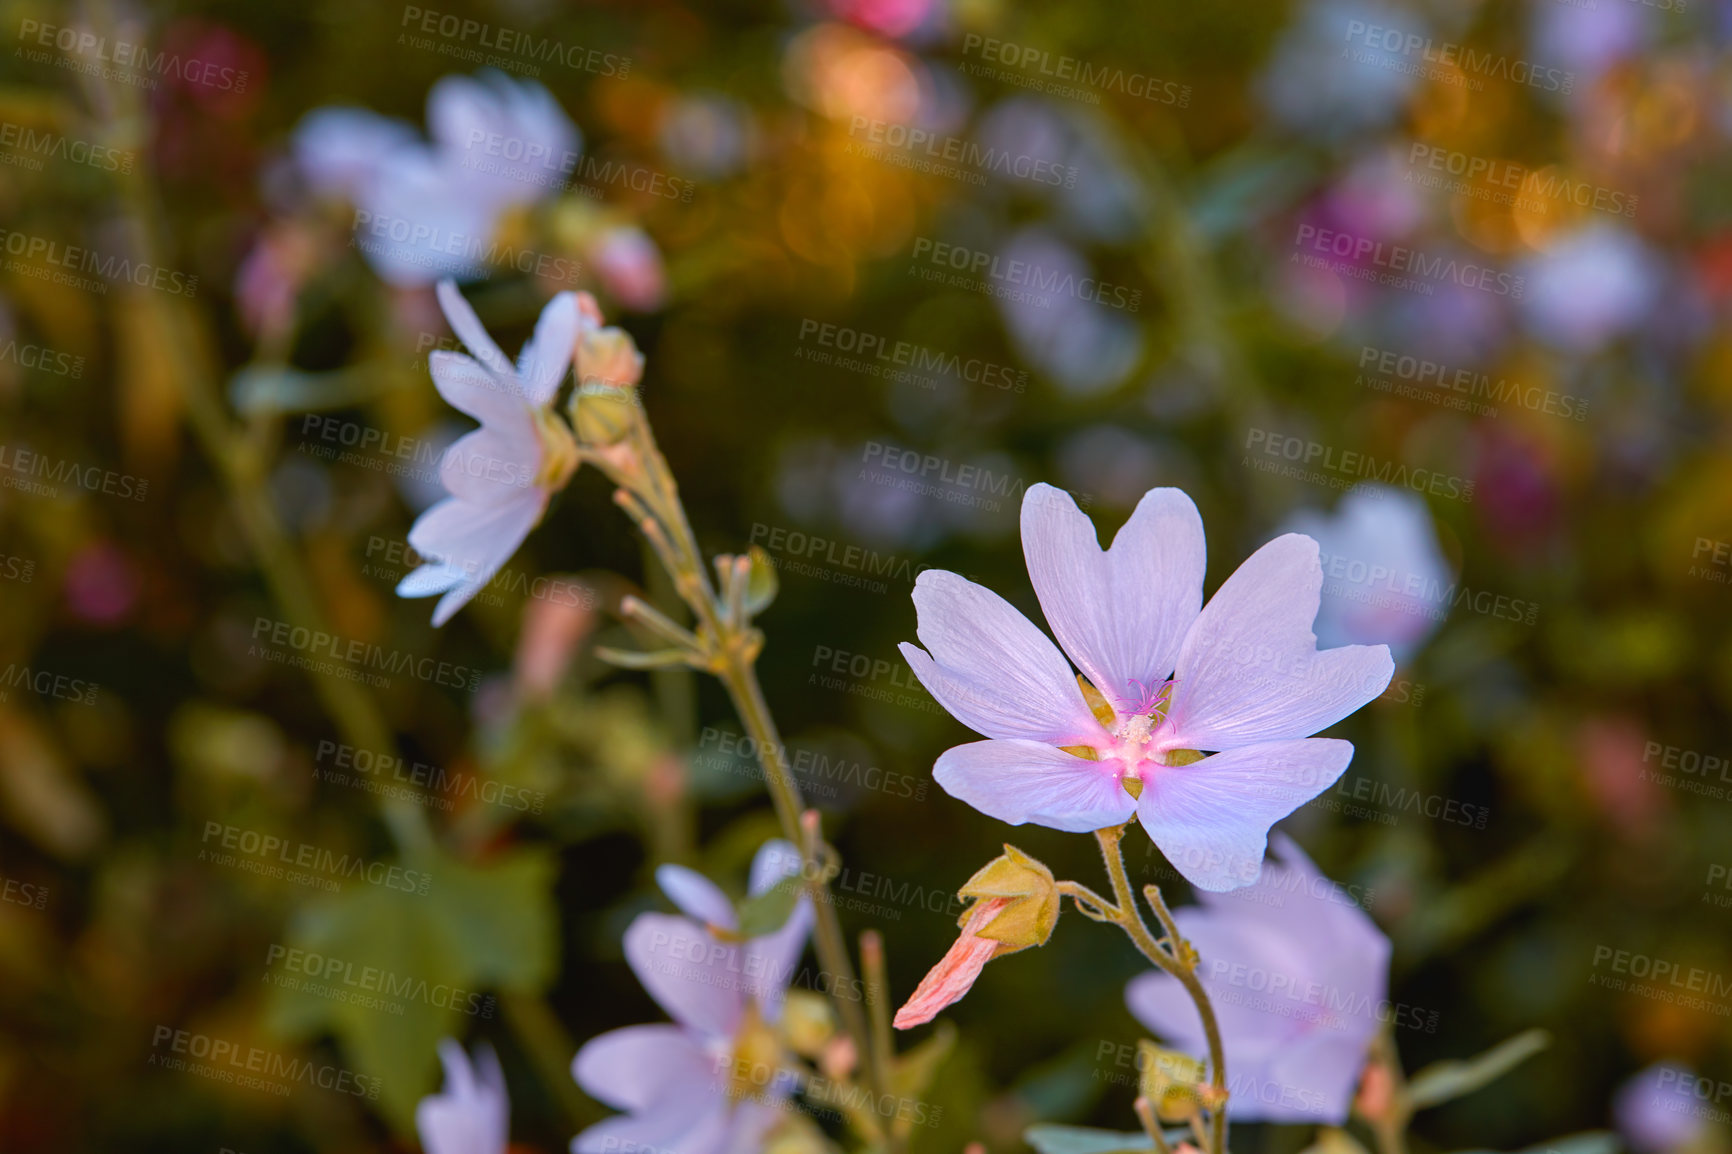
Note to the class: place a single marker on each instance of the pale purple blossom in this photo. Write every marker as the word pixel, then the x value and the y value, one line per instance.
pixel 1240 679
pixel 1384 577
pixel 430 209
pixel 501 475
pixel 472 1115
pixel 1298 976
pixel 708 1082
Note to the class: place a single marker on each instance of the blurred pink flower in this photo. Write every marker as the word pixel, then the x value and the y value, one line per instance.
pixel 630 267
pixel 500 476
pixel 1298 976
pixel 1241 677
pixel 552 631
pixel 472 1115
pixel 707 1083
pixel 101 585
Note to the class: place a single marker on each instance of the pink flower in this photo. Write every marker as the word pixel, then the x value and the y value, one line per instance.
pixel 955 974
pixel 472 1115
pixel 1298 976
pixel 500 476
pixel 1170 679
pixel 711 1081
pixel 630 267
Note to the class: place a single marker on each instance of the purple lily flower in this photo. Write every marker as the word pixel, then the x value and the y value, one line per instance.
pixel 709 1082
pixel 1298 976
pixel 1195 719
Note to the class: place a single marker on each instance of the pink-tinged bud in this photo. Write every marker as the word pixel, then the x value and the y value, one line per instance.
pixel 608 357
pixel 630 268
pixel 953 976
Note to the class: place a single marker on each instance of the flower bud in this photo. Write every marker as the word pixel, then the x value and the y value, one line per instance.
pixel 1031 901
pixel 608 356
pixel 1171 1081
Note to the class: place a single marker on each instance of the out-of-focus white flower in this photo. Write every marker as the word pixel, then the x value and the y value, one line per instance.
pixel 1384 578
pixel 1085 345
pixel 1591 287
pixel 1313 85
pixel 426 210
pixel 1297 974
pixel 502 475
pixel 472 1115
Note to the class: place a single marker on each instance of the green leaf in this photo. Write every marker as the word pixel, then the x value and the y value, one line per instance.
pixel 390 972
pixel 769 911
pixel 1447 1080
pixel 1586 1142
pixel 1051 1139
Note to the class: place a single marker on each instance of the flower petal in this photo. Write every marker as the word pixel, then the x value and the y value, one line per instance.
pixel 1019 781
pixel 1249 670
pixel 696 895
pixel 545 357
pixel 630 1069
pixel 684 1122
pixel 947 982
pixel 468 387
pixel 1212 818
pixel 1121 614
pixel 704 993
pixel 471 1114
pixel 492 464
pixel 430 579
pixel 460 315
pixel 1312 1079
pixel 991 667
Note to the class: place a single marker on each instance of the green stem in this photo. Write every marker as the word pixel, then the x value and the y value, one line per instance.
pixel 548 1047
pixel 1130 919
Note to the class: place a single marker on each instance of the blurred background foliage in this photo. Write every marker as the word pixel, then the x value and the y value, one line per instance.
pixel 1264 125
